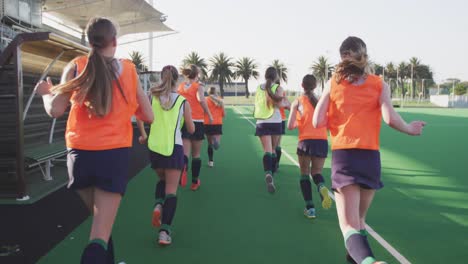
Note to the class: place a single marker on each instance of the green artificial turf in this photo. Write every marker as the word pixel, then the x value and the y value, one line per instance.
pixel 422 211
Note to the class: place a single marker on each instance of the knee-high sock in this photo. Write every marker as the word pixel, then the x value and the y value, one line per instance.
pixel 358 248
pixel 95 252
pixel 278 153
pixel 267 162
pixel 274 162
pixel 318 180
pixel 169 209
pixel 160 192
pixel 210 153
pixel 110 251
pixel 196 165
pixel 186 162
pixel 306 189
pixel 364 233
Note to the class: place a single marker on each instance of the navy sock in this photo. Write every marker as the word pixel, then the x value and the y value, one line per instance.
pixel 318 179
pixel 186 162
pixel 274 162
pixel 196 165
pixel 210 152
pixel 160 191
pixel 169 209
pixel 95 252
pixel 278 154
pixel 364 233
pixel 306 189
pixel 267 162
pixel 358 248
pixel 110 251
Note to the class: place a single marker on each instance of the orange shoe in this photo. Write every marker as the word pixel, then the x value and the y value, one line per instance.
pixel 156 221
pixel 183 178
pixel 195 186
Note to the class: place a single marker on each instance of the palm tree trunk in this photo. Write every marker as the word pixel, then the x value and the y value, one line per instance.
pixel 323 84
pixel 221 87
pixel 246 88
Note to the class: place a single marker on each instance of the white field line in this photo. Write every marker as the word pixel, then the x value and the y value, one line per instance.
pixel 397 255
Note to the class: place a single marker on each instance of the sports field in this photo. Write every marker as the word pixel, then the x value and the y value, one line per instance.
pixel 422 211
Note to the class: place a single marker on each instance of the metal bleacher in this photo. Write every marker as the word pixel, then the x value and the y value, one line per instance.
pixel 31 140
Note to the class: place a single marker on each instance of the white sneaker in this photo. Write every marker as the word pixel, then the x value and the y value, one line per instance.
pixel 210 164
pixel 164 238
pixel 270 184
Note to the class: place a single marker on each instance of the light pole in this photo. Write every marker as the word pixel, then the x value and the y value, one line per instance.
pixel 412 87
pixel 162 19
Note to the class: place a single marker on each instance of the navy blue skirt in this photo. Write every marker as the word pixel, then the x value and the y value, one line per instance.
pixel 356 166
pixel 283 127
pixel 175 161
pixel 268 129
pixel 199 133
pixel 213 130
pixel 104 169
pixel 313 148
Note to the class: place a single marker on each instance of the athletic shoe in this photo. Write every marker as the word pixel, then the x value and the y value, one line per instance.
pixel 210 164
pixel 309 213
pixel 183 177
pixel 216 145
pixel 270 184
pixel 326 199
pixel 195 186
pixel 164 238
pixel 156 221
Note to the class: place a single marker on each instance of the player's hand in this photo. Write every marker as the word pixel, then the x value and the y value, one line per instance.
pixel 211 119
pixel 143 140
pixel 43 87
pixel 415 128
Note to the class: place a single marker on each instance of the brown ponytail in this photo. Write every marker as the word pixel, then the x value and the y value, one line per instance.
pixel 169 77
pixel 355 62
pixel 94 86
pixel 309 83
pixel 214 97
pixel 271 75
pixel 191 72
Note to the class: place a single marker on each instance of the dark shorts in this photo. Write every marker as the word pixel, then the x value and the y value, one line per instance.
pixel 175 161
pixel 283 127
pixel 213 130
pixel 199 133
pixel 265 129
pixel 313 148
pixel 105 169
pixel 356 166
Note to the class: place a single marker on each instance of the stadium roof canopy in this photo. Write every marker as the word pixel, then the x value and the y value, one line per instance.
pixel 133 16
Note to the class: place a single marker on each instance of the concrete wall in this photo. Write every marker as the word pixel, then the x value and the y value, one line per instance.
pixel 460 101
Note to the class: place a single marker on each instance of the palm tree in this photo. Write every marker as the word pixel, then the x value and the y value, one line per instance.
pixel 195 59
pixel 390 70
pixel 378 69
pixel 322 70
pixel 137 58
pixel 414 64
pixel 221 70
pixel 403 73
pixel 246 68
pixel 390 73
pixel 281 69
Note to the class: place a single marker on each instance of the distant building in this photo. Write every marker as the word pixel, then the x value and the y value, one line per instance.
pixel 233 89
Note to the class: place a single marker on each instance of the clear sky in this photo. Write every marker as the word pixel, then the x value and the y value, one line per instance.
pixel 298 31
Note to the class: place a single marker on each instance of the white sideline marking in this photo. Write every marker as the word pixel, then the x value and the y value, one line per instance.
pixel 397 255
